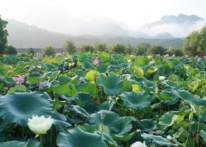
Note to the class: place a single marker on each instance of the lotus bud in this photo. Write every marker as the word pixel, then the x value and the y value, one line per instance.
pixel 196 56
pixel 132 56
pixel 138 144
pixel 42 84
pixel 158 55
pixel 129 61
pixel 161 78
pixel 96 62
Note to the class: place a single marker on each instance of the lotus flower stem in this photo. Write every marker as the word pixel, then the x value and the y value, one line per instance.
pixel 41 141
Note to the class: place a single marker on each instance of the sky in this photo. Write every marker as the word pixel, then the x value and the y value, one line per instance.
pixel 57 15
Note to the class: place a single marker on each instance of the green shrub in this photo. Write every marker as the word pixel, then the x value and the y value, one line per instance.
pixel 10 50
pixel 48 51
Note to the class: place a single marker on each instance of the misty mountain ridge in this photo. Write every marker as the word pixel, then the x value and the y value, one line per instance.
pixel 181 19
pixel 102 30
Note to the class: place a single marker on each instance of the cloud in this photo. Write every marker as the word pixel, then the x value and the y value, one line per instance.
pixel 174 29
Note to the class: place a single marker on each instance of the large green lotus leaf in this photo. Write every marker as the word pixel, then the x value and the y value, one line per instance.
pixel 19 70
pixel 87 65
pixel 88 128
pixel 174 63
pixel 112 84
pixel 157 139
pixel 107 105
pixel 168 119
pixel 50 67
pixel 36 80
pixel 28 143
pixel 17 88
pixel 81 56
pixel 18 107
pixel 78 138
pixel 124 66
pixel 142 61
pixel 3 72
pixel 64 79
pixel 66 89
pixel 8 80
pixel 54 75
pixel 61 125
pixel 116 124
pixel 91 75
pixel 188 97
pixel 79 110
pixel 138 72
pixel 114 68
pixel 80 73
pixel 136 100
pixel 204 136
pixel 147 125
pixel 104 56
pixel 117 58
pixel 165 70
pixel 102 68
pixel 169 97
pixel 88 88
pixel 84 99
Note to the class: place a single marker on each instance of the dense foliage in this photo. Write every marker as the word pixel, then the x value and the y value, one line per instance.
pixel 100 100
pixel 3 35
pixel 10 50
pixel 195 43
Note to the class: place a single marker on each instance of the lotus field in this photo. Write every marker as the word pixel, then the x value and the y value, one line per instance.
pixel 102 100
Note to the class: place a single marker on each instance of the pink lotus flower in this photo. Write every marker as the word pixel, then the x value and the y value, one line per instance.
pixel 173 55
pixel 196 56
pixel 96 62
pixel 158 55
pixel 167 55
pixel 132 56
pixel 59 54
pixel 204 56
pixel 20 80
pixel 42 84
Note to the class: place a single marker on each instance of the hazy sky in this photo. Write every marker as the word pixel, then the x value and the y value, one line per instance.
pixel 52 14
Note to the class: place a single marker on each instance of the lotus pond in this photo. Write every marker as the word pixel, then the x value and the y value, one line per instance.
pixel 102 100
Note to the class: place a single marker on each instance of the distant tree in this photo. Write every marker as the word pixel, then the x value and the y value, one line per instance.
pixel 191 45
pixel 10 50
pixel 129 49
pixel 100 46
pixel 87 48
pixel 69 47
pixel 177 51
pixel 156 49
pixel 31 51
pixel 118 48
pixel 48 51
pixel 3 35
pixel 195 43
pixel 142 48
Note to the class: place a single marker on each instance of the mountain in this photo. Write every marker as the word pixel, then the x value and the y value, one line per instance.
pixel 22 35
pixel 181 19
pixel 165 35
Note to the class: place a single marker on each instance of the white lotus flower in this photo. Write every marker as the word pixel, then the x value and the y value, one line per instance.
pixel 138 144
pixel 162 78
pixel 169 137
pixel 129 61
pixel 40 125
